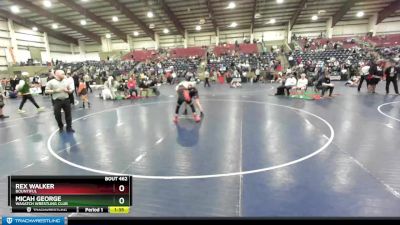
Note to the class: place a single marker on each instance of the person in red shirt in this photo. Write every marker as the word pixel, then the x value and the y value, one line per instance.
pixel 82 92
pixel 221 77
pixel 132 87
pixel 279 67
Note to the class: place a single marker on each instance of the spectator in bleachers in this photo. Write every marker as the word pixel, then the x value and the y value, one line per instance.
pixel 290 83
pixel 301 84
pixel 132 87
pixel 109 89
pixel 324 84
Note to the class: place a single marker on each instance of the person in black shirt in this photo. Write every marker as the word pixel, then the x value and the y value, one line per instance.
pixel 391 74
pixel 375 75
pixel 324 83
pixel 76 83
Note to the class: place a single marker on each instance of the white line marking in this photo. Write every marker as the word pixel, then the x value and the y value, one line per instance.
pixel 119 124
pixel 98 134
pixel 29 165
pixel 159 141
pixel 390 189
pixel 326 137
pixel 332 135
pixel 380 111
pixel 32 134
pixel 27 117
pixel 44 158
pixel 16 140
pixel 9 126
pixel 241 167
pixel 140 157
pixel 308 122
pixel 389 125
pixel 67 148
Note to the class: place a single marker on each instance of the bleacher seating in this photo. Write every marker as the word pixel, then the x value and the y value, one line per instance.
pixel 227 61
pixel 248 48
pixel 324 56
pixel 224 49
pixel 187 52
pixel 140 55
pixel 384 40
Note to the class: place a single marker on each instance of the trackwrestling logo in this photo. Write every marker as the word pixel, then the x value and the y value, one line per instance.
pixel 34 220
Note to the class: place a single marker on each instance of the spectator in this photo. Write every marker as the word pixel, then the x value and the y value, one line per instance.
pixel 391 74
pixel 290 83
pixel 2 97
pixel 324 83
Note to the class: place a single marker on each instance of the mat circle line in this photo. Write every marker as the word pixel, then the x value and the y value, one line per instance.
pixel 325 146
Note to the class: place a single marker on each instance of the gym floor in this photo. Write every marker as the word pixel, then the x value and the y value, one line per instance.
pixel 254 154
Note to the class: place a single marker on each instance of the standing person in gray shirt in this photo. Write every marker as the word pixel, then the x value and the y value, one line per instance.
pixel 87 80
pixel 60 90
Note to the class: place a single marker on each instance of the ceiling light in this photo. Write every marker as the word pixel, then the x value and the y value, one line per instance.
pixel 83 22
pixel 54 26
pixel 115 19
pixel 315 17
pixel 108 36
pixel 231 5
pixel 360 14
pixel 15 9
pixel 279 1
pixel 272 21
pixel 166 31
pixel 34 29
pixel 150 14
pixel 47 3
pixel 257 15
pixel 198 27
pixel 233 24
pixel 135 33
pixel 151 26
pixel 84 0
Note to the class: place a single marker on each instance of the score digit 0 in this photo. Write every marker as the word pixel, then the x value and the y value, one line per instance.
pixel 121 188
pixel 121 201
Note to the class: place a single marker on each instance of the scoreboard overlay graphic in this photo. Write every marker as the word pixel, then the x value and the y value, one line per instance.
pixel 80 194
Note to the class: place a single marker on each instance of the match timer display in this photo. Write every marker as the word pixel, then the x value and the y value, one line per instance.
pixel 81 194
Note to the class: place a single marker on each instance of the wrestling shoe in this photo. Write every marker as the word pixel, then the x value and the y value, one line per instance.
pixel 70 130
pixel 41 109
pixel 21 111
pixel 175 120
pixel 196 118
